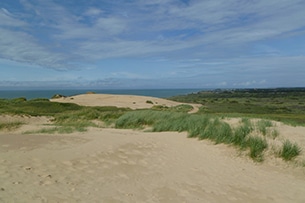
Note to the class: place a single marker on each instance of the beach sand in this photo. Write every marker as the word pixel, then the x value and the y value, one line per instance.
pixel 113 165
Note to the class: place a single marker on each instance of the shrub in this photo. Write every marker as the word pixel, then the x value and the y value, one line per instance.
pixel 149 102
pixel 57 96
pixel 160 107
pixel 18 100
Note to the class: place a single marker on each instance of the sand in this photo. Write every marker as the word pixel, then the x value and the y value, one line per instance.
pixel 112 165
pixel 125 101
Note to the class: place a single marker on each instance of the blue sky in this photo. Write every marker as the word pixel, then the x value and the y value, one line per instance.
pixel 152 44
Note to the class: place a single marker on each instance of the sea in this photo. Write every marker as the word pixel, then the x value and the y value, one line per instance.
pixel 34 94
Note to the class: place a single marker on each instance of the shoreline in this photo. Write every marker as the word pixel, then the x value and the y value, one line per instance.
pixel 32 94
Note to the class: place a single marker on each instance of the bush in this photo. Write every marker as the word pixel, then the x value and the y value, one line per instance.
pixel 39 100
pixel 57 96
pixel 18 100
pixel 149 102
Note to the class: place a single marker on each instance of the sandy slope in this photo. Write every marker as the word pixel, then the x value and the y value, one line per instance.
pixel 128 101
pixel 110 165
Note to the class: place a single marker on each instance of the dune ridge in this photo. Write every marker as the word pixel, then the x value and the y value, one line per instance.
pixel 124 101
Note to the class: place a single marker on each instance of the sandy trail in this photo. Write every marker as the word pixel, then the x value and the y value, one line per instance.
pixel 110 165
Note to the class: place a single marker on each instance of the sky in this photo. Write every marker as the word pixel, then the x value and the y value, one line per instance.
pixel 139 44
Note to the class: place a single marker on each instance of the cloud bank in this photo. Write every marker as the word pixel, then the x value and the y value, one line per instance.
pixel 229 42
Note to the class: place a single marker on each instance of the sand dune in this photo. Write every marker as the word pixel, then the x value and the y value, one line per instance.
pixel 126 101
pixel 112 165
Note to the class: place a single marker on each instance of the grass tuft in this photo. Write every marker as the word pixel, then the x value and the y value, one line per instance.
pixel 218 131
pixel 289 150
pixel 263 126
pixel 257 145
pixel 240 134
pixel 10 125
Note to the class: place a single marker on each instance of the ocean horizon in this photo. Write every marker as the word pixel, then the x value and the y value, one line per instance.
pixel 33 94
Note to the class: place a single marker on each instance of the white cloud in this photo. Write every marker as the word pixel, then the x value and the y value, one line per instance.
pixel 111 26
pixel 212 35
pixel 93 12
pixel 8 19
pixel 20 47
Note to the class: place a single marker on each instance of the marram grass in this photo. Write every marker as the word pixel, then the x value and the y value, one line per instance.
pixel 289 150
pixel 200 126
pixel 10 125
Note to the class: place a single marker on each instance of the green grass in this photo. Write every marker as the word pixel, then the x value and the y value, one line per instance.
pixel 282 104
pixel 10 125
pixel 82 119
pixel 66 116
pixel 69 118
pixel 274 133
pixel 35 107
pixel 257 145
pixel 240 135
pixel 241 132
pixel 217 131
pixel 197 126
pixel 263 126
pixel 289 150
pixel 58 129
pixel 179 108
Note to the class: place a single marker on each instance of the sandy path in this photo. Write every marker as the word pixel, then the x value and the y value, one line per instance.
pixel 110 165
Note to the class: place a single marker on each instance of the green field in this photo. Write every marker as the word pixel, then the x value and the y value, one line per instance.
pixel 281 104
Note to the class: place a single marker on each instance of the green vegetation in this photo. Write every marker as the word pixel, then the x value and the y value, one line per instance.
pixel 209 123
pixel 240 135
pixel 200 126
pixel 275 133
pixel 10 125
pixel 35 107
pixel 67 117
pixel 58 129
pixel 257 145
pixel 218 131
pixel 281 104
pixel 179 108
pixel 263 125
pixel 149 102
pixel 81 119
pixel 289 150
